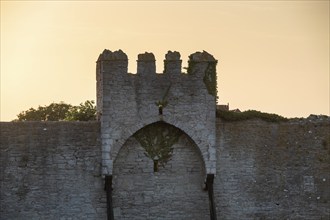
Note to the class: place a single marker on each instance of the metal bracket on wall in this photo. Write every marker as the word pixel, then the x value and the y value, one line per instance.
pixel 209 188
pixel 108 189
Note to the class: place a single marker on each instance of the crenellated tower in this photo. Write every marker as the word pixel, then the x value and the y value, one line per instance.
pixel 127 102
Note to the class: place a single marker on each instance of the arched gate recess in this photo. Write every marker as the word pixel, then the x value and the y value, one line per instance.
pixel 159 174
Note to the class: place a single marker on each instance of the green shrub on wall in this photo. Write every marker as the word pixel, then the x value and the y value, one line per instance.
pixel 250 114
pixel 158 140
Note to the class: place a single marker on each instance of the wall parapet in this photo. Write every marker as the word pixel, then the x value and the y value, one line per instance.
pixel 146 61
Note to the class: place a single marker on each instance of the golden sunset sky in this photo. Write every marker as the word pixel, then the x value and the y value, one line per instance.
pixel 273 55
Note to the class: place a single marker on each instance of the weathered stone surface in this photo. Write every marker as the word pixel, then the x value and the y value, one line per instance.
pixel 109 55
pixel 146 57
pixel 51 170
pixel 172 63
pixel 201 56
pixel 273 170
pixel 172 55
pixel 129 103
pixel 174 192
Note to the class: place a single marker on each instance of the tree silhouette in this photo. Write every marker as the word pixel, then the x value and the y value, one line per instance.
pixel 60 112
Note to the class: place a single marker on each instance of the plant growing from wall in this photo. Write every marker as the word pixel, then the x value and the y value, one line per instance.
pixel 250 114
pixel 161 104
pixel 210 78
pixel 158 139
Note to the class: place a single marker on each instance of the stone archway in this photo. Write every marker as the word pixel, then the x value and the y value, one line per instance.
pixel 174 191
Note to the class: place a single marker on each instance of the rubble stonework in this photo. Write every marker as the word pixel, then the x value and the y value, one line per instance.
pixel 159 152
pixel 127 102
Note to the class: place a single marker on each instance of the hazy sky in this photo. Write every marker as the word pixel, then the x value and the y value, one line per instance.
pixel 273 55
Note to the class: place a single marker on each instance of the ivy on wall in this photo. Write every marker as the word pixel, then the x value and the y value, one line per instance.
pixel 158 139
pixel 210 78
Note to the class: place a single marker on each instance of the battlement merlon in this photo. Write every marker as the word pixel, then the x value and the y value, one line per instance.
pixel 146 62
pixel 172 63
pixel 108 55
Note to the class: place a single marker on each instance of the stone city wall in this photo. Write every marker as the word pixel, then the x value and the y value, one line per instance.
pixel 273 170
pixel 52 170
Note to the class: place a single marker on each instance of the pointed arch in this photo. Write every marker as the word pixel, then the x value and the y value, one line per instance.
pixel 139 127
pixel 175 191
